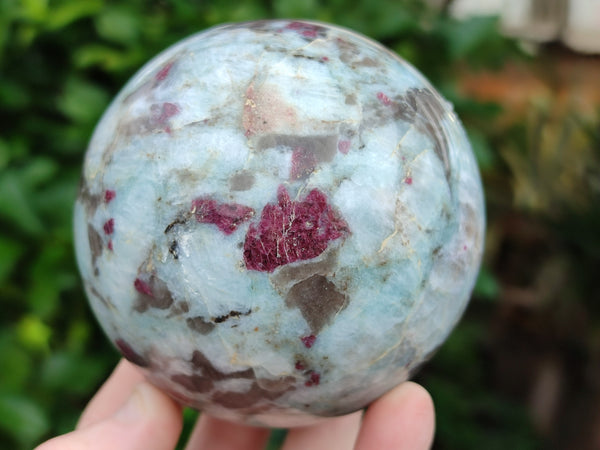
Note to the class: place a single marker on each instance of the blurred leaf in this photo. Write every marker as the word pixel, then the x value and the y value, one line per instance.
pixel 17 148
pixel 384 19
pixel 34 10
pixel 118 24
pixel 296 10
pixel 486 158
pixel 13 95
pixel 17 191
pixel 78 336
pixel 38 171
pixel 16 204
pixel 407 50
pixel 51 273
pixel 482 113
pixel 223 11
pixel 486 287
pixel 154 27
pixel 26 34
pixel 190 417
pixel 15 365
pixel 23 418
pixel 465 36
pixel 11 251
pixel 550 156
pixel 107 58
pixel 34 334
pixel 81 101
pixel 65 421
pixel 9 10
pixel 72 373
pixel 67 12
pixel 55 203
pixel 71 140
pixel 276 439
pixel 4 154
pixel 464 346
pixel 476 417
pixel 244 11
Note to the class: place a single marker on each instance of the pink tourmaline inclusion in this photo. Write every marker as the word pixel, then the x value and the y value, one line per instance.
pixel 291 231
pixel 309 341
pixel 109 195
pixel 226 216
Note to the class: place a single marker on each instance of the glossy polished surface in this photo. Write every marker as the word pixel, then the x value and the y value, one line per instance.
pixel 278 221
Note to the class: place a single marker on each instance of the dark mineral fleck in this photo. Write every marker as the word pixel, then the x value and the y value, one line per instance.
pixel 130 354
pixel 96 244
pixel 318 299
pixel 152 293
pixel 193 383
pixel 200 324
pixel 203 364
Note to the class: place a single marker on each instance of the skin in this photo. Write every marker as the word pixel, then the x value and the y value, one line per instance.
pixel 129 413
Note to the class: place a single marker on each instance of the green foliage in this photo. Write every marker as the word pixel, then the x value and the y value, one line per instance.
pixel 476 416
pixel 61 61
pixel 23 417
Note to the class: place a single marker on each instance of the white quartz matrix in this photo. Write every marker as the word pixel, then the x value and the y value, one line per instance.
pixel 278 221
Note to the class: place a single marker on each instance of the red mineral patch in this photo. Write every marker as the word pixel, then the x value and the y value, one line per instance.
pixel 142 287
pixel 161 113
pixel 304 163
pixel 168 110
pixel 295 26
pixel 344 147
pixel 307 30
pixel 162 73
pixel 109 195
pixel 109 226
pixel 292 231
pixel 383 98
pixel 226 216
pixel 313 380
pixel 152 293
pixel 309 341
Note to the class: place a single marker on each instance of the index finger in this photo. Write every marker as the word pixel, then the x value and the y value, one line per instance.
pixel 403 419
pixel 113 393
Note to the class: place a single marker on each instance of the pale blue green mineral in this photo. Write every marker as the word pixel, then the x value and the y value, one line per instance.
pixel 278 221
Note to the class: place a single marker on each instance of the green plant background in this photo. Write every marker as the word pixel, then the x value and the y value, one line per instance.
pixel 62 61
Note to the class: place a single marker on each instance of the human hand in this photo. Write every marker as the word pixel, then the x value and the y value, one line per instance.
pixel 128 413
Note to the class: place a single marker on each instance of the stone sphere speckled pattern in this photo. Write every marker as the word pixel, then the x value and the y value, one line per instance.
pixel 278 221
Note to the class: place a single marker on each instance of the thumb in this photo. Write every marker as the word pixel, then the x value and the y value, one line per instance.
pixel 148 420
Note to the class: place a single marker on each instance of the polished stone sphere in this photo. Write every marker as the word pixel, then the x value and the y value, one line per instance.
pixel 278 221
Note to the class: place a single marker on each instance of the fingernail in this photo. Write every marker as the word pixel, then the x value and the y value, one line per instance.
pixel 134 408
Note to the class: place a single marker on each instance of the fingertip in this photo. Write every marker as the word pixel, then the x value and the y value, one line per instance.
pixel 416 398
pixel 404 418
pixel 333 433
pixel 56 443
pixel 148 402
pixel 112 394
pixel 147 420
pixel 211 433
pixel 150 409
